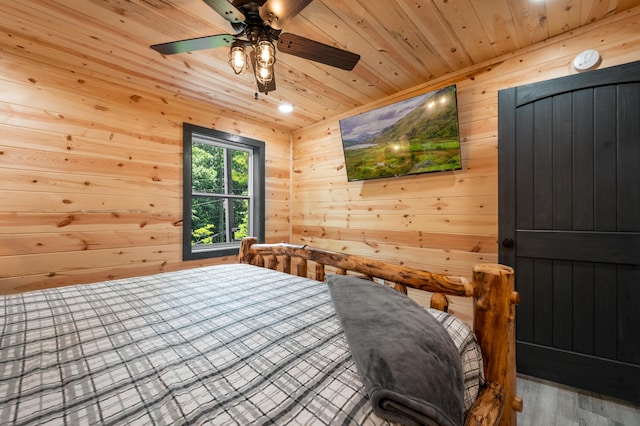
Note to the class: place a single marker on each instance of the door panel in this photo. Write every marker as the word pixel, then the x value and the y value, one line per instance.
pixel 628 156
pixel 569 196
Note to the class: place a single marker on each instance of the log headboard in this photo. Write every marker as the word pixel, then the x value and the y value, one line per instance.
pixel 494 297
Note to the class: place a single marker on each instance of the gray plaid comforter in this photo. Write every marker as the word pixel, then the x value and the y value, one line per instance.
pixel 228 344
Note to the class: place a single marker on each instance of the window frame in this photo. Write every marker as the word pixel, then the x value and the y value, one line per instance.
pixel 256 149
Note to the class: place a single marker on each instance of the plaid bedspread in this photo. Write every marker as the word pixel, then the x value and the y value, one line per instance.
pixel 221 345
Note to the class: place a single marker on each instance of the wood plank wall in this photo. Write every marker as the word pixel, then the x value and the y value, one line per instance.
pixel 445 222
pixel 91 174
pixel 90 170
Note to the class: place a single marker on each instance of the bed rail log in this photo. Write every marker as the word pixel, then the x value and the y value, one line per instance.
pixel 494 296
pixel 251 252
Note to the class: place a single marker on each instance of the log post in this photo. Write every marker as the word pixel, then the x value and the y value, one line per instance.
pixel 286 267
pixel 302 268
pixel 401 288
pixel 245 255
pixel 272 263
pixel 494 325
pixel 319 271
pixel 487 408
pixel 440 302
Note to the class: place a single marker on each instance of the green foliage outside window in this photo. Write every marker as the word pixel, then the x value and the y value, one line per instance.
pixel 209 213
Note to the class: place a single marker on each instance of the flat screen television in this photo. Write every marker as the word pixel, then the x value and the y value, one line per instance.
pixel 416 135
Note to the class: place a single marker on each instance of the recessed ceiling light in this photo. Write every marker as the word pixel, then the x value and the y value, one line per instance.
pixel 286 108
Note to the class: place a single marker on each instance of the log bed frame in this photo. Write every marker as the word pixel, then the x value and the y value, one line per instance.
pixel 494 310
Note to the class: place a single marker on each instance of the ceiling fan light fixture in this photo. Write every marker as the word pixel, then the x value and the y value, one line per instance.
pixel 264 75
pixel 265 53
pixel 238 59
pixel 257 29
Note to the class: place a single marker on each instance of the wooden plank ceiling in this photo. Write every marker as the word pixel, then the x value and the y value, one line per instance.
pixel 402 43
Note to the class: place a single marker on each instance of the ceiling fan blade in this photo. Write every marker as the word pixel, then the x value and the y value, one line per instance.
pixel 192 44
pixel 318 52
pixel 276 12
pixel 226 10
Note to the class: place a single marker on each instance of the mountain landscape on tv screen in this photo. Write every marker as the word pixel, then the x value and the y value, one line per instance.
pixel 418 135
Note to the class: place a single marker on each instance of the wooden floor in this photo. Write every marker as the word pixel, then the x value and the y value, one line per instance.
pixel 547 403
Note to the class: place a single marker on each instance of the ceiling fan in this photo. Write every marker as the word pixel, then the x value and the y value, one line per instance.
pixel 258 28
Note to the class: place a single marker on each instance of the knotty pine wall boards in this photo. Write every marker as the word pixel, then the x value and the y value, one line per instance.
pixel 90 169
pixel 444 221
pixel 91 174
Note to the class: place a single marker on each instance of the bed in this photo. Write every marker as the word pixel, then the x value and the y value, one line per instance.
pixel 249 343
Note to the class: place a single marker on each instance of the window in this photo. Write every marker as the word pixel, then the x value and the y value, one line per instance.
pixel 223 192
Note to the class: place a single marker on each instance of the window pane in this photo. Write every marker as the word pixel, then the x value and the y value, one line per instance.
pixel 207 168
pixel 240 219
pixel 240 172
pixel 208 221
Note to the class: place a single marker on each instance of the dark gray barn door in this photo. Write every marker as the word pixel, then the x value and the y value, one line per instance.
pixel 569 223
